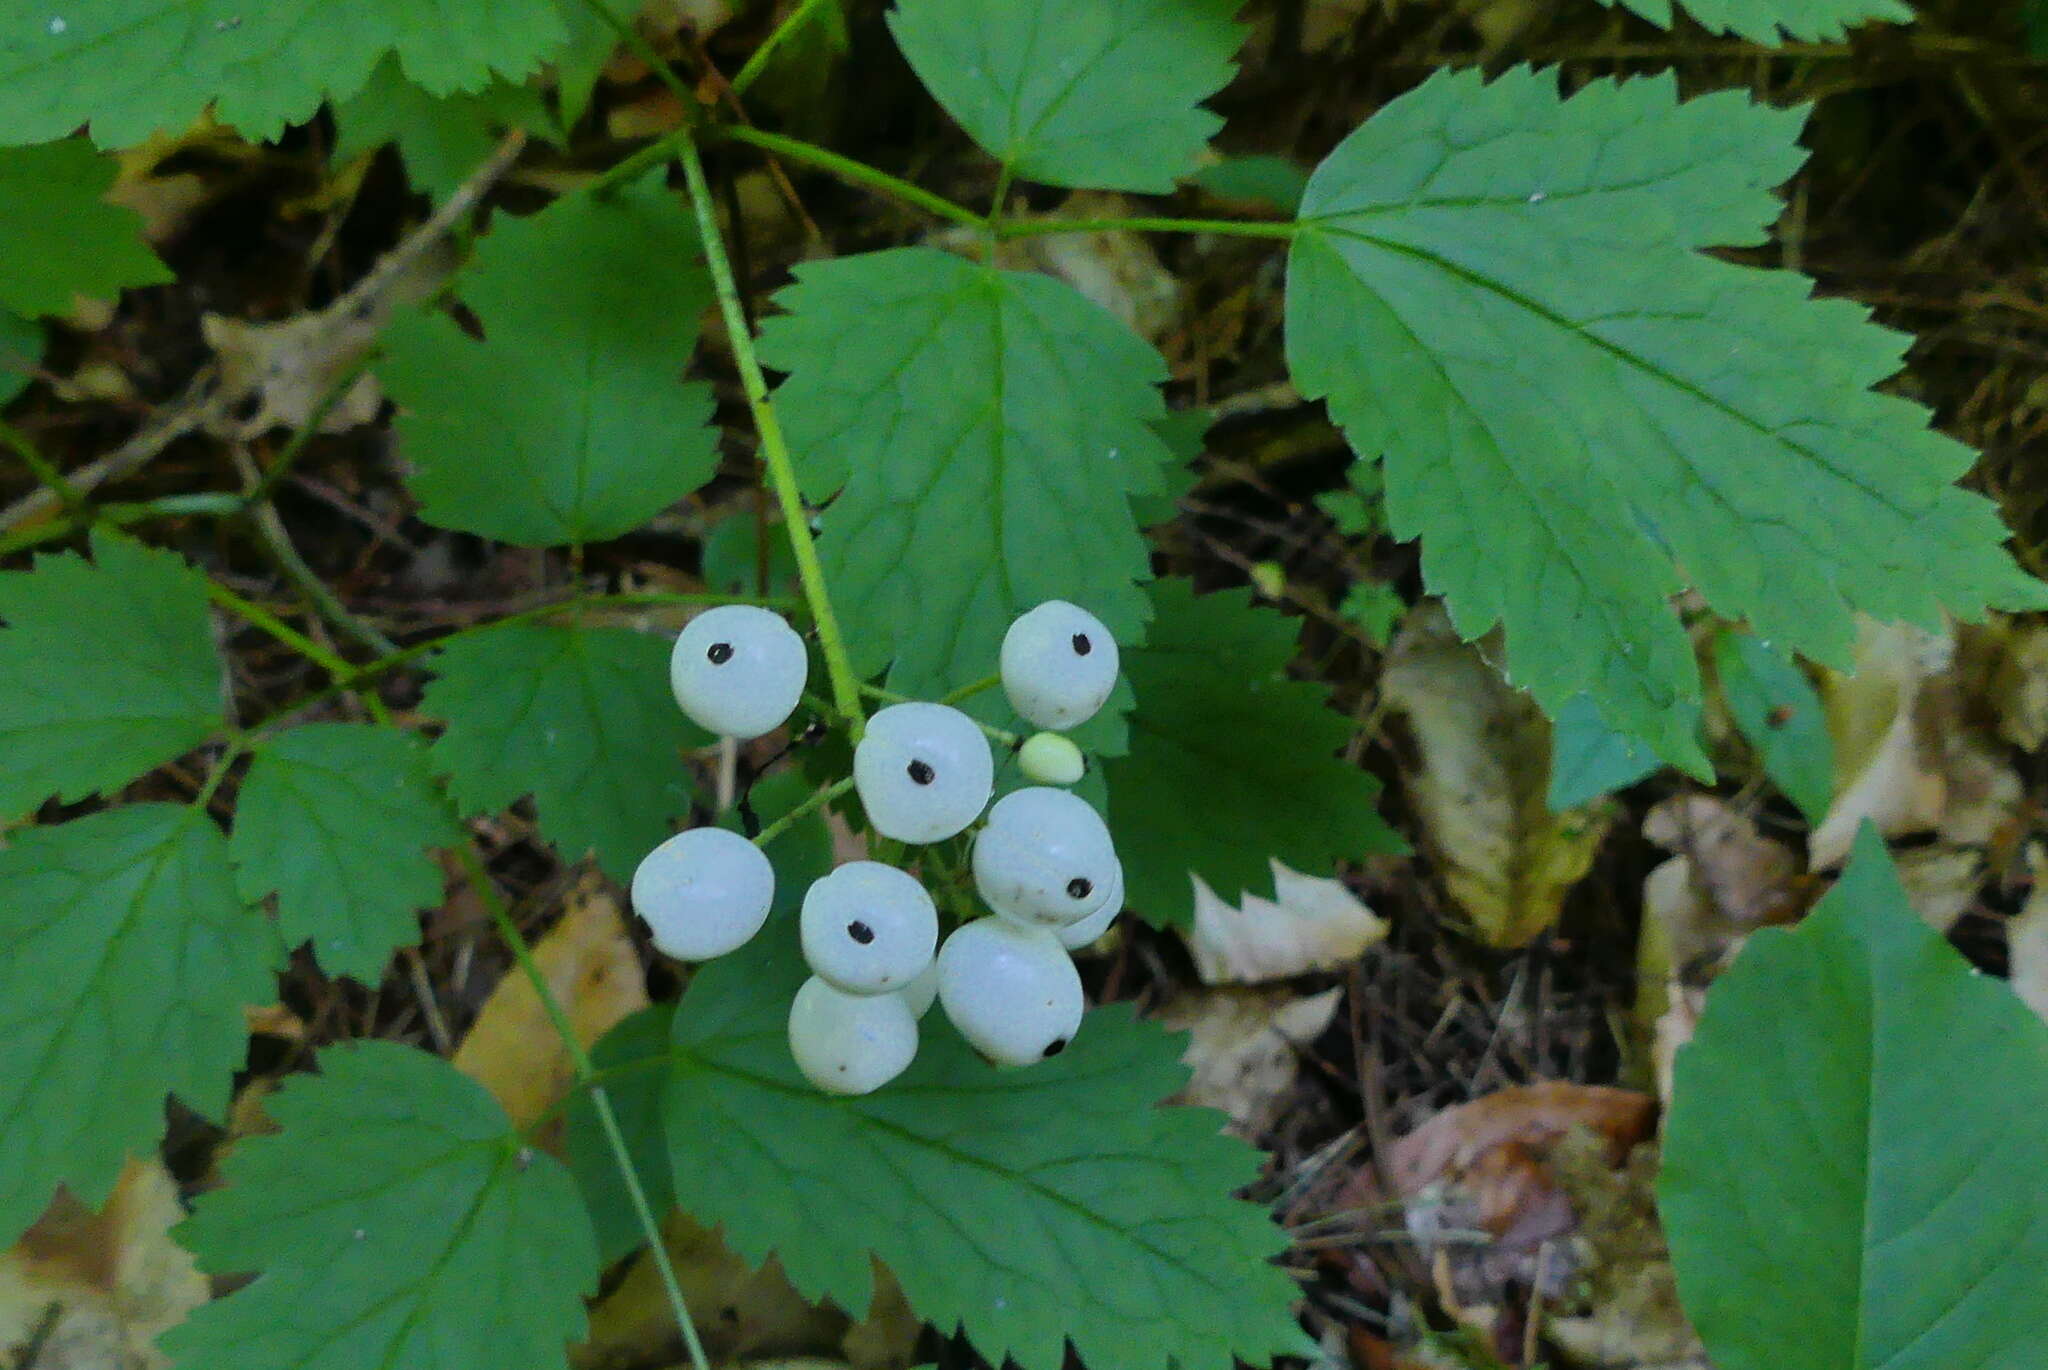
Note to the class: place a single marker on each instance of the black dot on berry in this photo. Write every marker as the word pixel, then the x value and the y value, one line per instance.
pixel 860 932
pixel 1082 646
pixel 720 653
pixel 1079 887
pixel 1055 1046
pixel 921 773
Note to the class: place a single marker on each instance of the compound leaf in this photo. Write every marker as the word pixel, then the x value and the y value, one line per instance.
pixel 1231 764
pixel 133 67
pixel 1843 1185
pixel 139 681
pixel 443 138
pixel 128 962
pixel 1761 21
pixel 581 719
pixel 336 818
pixel 1024 1207
pixel 60 236
pixel 985 431
pixel 569 422
pixel 1099 93
pixel 398 1219
pixel 1501 292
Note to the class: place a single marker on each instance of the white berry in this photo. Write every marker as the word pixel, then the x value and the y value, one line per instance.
pixel 850 1043
pixel 924 772
pixel 1051 759
pixel 922 992
pixel 704 893
pixel 868 928
pixel 738 670
pixel 1059 664
pixel 1089 930
pixel 1045 858
pixel 1011 990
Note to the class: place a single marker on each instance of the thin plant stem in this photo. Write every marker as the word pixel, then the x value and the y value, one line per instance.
pixel 971 689
pixel 258 616
pixel 1008 739
pixel 296 446
pixel 274 536
pixel 120 516
pixel 765 54
pixel 69 495
pixel 600 1099
pixel 818 799
pixel 775 456
pixel 1239 228
pixel 855 172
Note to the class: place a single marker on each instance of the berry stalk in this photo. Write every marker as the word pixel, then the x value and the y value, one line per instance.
pixel 774 448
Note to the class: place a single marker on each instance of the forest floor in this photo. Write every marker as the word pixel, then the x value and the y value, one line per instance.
pixel 1455 1059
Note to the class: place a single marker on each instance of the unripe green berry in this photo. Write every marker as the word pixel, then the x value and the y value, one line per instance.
pixel 1051 759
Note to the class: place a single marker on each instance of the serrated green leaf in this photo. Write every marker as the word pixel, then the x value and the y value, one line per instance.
pixel 1780 712
pixel 1232 765
pixel 140 682
pixel 398 1220
pixel 128 961
pixel 569 422
pixel 1844 1185
pixel 1762 21
pixel 1501 292
pixel 1589 759
pixel 1026 1207
pixel 443 138
pixel 1086 93
pixel 581 719
pixel 59 234
pixel 985 431
pixel 133 67
pixel 21 351
pixel 336 819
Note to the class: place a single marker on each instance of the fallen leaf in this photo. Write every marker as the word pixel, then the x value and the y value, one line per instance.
pixel 1311 923
pixel 590 963
pixel 1454 1142
pixel 113 1278
pixel 2026 941
pixel 1624 1312
pixel 2010 658
pixel 1478 777
pixel 1244 1048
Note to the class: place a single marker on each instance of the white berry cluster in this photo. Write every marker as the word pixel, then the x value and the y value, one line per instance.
pixel 1042 860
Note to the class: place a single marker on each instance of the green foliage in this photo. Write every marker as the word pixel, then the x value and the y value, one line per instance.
pixel 1843 1184
pixel 581 719
pixel 443 138
pixel 1275 182
pixel 128 960
pixel 568 422
pixel 1077 92
pixel 21 349
pixel 1106 1219
pixel 630 1058
pixel 1502 293
pixel 397 1220
pixel 1780 713
pixel 59 236
pixel 139 681
pixel 1589 759
pixel 336 818
pixel 1231 763
pixel 130 68
pixel 1761 21
pixel 985 431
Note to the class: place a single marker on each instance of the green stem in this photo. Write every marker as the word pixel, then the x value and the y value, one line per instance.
pixel 857 173
pixel 818 799
pixel 1240 228
pixel 971 689
pixel 774 449
pixel 765 54
pixel 333 395
pixel 237 744
pixel 270 623
pixel 40 466
pixel 627 168
pixel 600 1098
pixel 120 516
pixel 1008 739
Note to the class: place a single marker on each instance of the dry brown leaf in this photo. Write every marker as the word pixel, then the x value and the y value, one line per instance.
pixel 1625 1313
pixel 742 1314
pixel 2005 661
pixel 1244 1048
pixel 1454 1141
pixel 115 1278
pixel 1477 777
pixel 589 962
pixel 2026 941
pixel 1309 924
